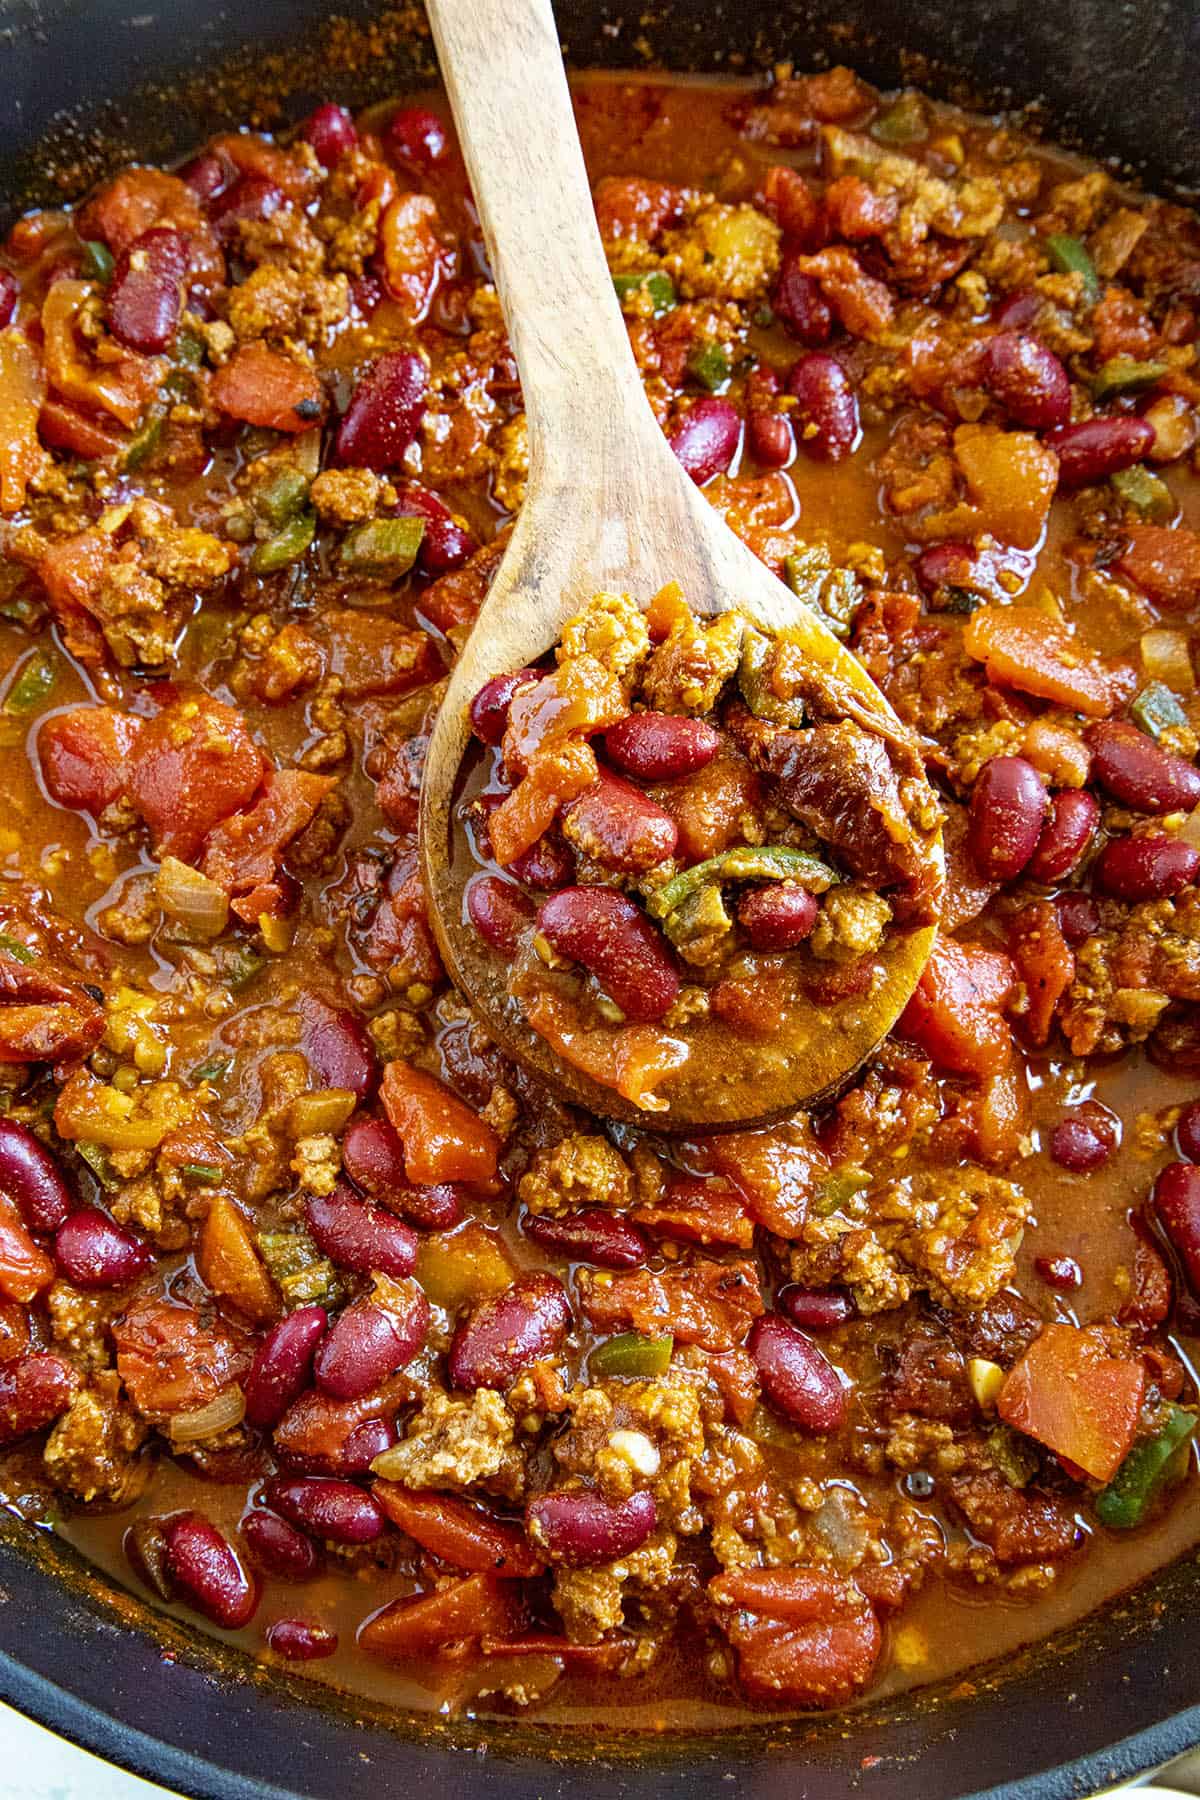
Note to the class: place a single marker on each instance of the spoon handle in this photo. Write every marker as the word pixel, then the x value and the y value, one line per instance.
pixel 501 62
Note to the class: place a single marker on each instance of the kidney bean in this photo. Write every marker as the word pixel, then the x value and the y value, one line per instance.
pixel 251 198
pixel 547 864
pixel 768 432
pixel 1086 1138
pixel 207 1570
pixel 828 426
pixel 206 175
pixel 706 439
pixel 796 1378
pixel 373 1158
pixel 660 746
pixel 489 708
pixel 1176 1200
pixel 31 1177
pixel 282 1365
pixel 145 1546
pixel 505 1334
pixel 1069 829
pixel 326 1506
pixel 332 133
pixel 1146 868
pixel 1078 918
pixel 145 295
pixel 1008 805
pixel 1098 448
pixel 819 1309
pixel 416 136
pixel 1140 773
pixel 9 293
pixel 300 1641
pixel 615 941
pixel 369 1342
pixel 363 1444
pixel 446 544
pixel 385 412
pixel 33 1390
pixel 338 1047
pixel 356 1235
pixel 1018 311
pixel 1027 380
pixel 1187 1131
pixel 593 1235
pixel 93 1251
pixel 580 1529
pixel 944 565
pixel 278 1547
pixel 619 826
pixel 499 911
pixel 777 917
pixel 1062 1273
pixel 800 306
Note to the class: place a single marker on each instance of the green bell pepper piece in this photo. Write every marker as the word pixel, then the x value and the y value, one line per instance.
pixel 32 685
pixel 98 261
pixel 287 546
pixel 749 862
pixel 709 365
pixel 1157 710
pixel 282 497
pixel 1070 257
pixel 1146 492
pixel 1125 375
pixel 906 120
pixel 631 1357
pixel 654 282
pixel 145 440
pixel 382 547
pixel 1145 1471
pixel 16 949
pixel 303 1276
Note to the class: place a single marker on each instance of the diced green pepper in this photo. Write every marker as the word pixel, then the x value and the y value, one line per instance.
pixel 303 1276
pixel 187 350
pixel 951 599
pixel 834 593
pixel 748 862
pixel 655 283
pixel 146 439
pixel 1069 255
pixel 1125 375
pixel 35 680
pixel 96 1158
pixel 709 365
pixel 631 1357
pixel 16 949
pixel 212 1070
pixel 1145 491
pixel 1144 1473
pixel 699 926
pixel 839 1189
pixel 906 120
pixel 287 546
pixel 242 966
pixel 1157 710
pixel 1014 1456
pixel 98 263
pixel 382 547
pixel 282 497
pixel 207 1174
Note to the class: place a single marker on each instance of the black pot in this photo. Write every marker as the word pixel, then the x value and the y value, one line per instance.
pixel 88 84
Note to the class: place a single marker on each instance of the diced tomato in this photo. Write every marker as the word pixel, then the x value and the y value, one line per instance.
pixel 996 1115
pixel 555 775
pixel 695 1211
pixel 632 1060
pixel 139 199
pixel 735 1375
pixel 777 1172
pixel 432 1624
pixel 454 599
pixel 703 1302
pixel 1164 560
pixel 629 206
pixel 790 201
pixel 43 1018
pixel 855 211
pixel 264 388
pixel 242 853
pixel 1025 649
pixel 192 766
pixel 955 1012
pixel 230 1265
pixel 170 1361
pixel 863 303
pixel 71 570
pixel 1011 477
pixel 375 655
pixel 805 1636
pixel 443 1138
pixel 413 254
pixel 1070 1394
pixel 24 1269
pixel 1045 962
pixel 457 1533
pixel 22 390
pixel 123 383
pixel 84 755
pixel 82 433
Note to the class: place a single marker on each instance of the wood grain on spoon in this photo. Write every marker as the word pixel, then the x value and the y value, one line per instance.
pixel 607 507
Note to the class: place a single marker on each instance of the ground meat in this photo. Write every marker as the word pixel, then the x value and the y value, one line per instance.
pixel 931 1378
pixel 850 924
pixel 1018 1525
pixel 731 252
pixel 80 1323
pixel 625 1435
pixel 286 308
pixel 454 1443
pixel 345 496
pixel 612 630
pixel 591 1602
pixel 692 664
pixel 92 1449
pixel 579 1171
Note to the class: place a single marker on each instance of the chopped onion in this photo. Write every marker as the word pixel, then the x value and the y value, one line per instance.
pixel 1167 657
pixel 191 898
pixel 221 1414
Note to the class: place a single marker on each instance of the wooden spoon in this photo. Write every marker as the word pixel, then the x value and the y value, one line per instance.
pixel 607 507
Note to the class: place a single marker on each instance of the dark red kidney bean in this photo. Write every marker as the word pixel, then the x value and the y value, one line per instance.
pixel 548 864
pixel 208 1572
pixel 499 911
pixel 1140 773
pixel 591 1236
pixel 945 565
pixel 327 1507
pixel 1027 380
pixel 1098 448
pixel 282 1365
pixel 797 1380
pixel 508 1332
pixel 1078 918
pixel 1069 829
pixel 361 1446
pixel 278 1547
pixel 9 292
pixel 93 1251
pixel 356 1235
pixel 145 1546
pixel 206 175
pixel 385 412
pixel 659 746
pixel 1008 805
pixel 145 295
pixel 367 1343
pixel 706 439
pixel 619 826
pixel 580 1529
pixel 1187 1131
pixel 33 1390
pixel 446 544
pixel 338 1047
pixel 489 708
pixel 769 437
pixel 1018 311
pixel 332 133
pixel 31 1177
pixel 416 136
pixel 373 1158
pixel 1146 868
pixel 827 422
pixel 300 1641
pixel 251 198
pixel 1062 1273
pixel 815 1309
pixel 1086 1138
pixel 800 306
pixel 613 939
pixel 777 917
pixel 1176 1200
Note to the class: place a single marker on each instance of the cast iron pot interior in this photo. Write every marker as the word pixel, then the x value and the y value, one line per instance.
pixel 89 84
